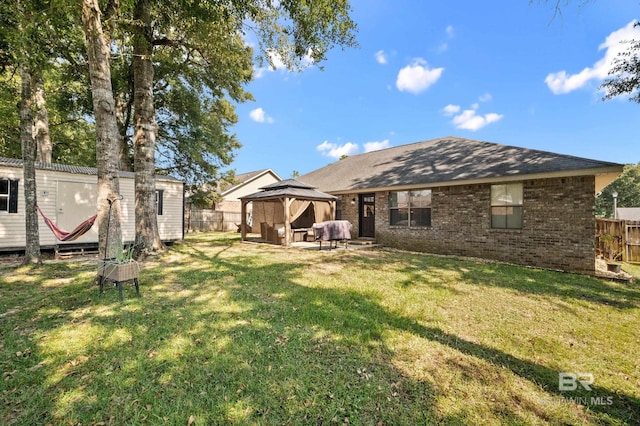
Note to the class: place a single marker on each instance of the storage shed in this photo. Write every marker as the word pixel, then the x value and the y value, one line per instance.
pixel 286 209
pixel 68 195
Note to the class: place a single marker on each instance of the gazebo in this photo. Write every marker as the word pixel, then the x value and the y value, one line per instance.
pixel 282 208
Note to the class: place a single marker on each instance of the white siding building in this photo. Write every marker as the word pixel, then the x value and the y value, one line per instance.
pixel 68 195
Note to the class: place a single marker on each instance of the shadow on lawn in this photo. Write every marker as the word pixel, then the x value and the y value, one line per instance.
pixel 234 339
pixel 362 321
pixel 28 308
pixel 532 281
pixel 365 322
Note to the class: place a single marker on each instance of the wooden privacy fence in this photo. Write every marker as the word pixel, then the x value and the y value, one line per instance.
pixel 618 239
pixel 207 220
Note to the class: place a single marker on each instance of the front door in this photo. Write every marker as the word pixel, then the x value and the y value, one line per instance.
pixel 368 215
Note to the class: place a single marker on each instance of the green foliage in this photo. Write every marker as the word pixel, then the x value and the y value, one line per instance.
pixel 201 196
pixel 124 253
pixel 9 117
pixel 46 35
pixel 193 113
pixel 627 185
pixel 201 65
pixel 298 31
pixel 611 244
pixel 625 74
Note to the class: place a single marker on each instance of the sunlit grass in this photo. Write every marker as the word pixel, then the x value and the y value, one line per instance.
pixel 232 333
pixel 633 269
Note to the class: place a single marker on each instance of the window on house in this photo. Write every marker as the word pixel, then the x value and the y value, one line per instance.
pixel 159 201
pixel 8 196
pixel 338 209
pixel 410 208
pixel 506 206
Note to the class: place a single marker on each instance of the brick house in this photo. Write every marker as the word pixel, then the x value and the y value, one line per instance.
pixel 465 197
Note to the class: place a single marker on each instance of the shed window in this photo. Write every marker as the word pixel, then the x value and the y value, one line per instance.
pixel 8 196
pixel 159 201
pixel 410 208
pixel 506 206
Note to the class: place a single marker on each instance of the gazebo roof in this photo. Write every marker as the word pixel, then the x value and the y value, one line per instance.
pixel 288 183
pixel 290 188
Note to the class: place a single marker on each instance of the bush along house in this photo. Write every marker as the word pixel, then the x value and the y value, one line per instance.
pixel 464 197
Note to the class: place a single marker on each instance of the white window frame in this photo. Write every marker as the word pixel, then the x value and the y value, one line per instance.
pixel 507 201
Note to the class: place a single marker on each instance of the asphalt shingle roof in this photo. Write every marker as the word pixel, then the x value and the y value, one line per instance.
pixel 288 188
pixel 238 181
pixel 443 160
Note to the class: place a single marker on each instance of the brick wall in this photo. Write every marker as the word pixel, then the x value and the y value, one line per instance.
pixel 557 231
pixel 350 212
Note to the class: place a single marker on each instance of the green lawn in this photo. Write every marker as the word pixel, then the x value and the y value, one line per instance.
pixel 232 333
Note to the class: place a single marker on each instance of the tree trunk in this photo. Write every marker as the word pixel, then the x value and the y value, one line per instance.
pixel 32 247
pixel 41 122
pixel 107 136
pixel 123 111
pixel 144 138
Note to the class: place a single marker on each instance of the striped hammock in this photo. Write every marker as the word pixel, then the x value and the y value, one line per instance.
pixel 61 235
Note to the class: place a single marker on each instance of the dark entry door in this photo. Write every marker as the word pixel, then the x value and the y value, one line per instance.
pixel 368 215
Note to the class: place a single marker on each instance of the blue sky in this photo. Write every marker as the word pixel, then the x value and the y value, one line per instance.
pixel 500 71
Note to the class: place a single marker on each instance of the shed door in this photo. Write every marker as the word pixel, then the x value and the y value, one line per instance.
pixel 368 215
pixel 77 202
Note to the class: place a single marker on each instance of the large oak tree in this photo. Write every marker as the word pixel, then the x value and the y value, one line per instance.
pixel 204 33
pixel 107 135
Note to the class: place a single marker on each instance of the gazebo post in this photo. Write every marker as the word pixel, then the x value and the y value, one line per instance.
pixel 243 220
pixel 287 225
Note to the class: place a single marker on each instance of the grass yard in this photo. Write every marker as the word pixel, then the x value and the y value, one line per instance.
pixel 232 333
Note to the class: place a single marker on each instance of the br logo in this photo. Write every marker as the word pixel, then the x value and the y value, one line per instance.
pixel 570 381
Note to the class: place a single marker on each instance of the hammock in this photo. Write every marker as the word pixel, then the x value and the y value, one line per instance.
pixel 61 235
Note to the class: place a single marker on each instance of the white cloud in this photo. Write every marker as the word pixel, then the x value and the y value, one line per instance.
pixel 417 77
pixel 277 63
pixel 444 46
pixel 258 115
pixel 381 57
pixel 561 82
pixel 485 98
pixel 450 31
pixel 451 109
pixel 336 151
pixel 376 146
pixel 470 120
